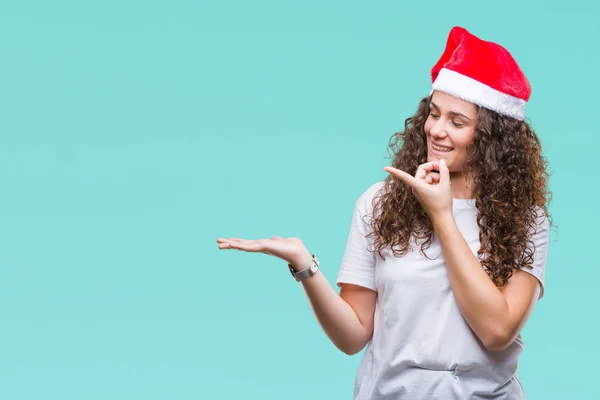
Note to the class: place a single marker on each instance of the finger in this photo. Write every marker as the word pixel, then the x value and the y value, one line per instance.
pixel 234 241
pixel 425 168
pixel 229 239
pixel 248 245
pixel 406 178
pixel 444 173
pixel 277 238
pixel 433 177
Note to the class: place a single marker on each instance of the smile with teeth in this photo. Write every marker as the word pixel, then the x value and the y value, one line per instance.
pixel 444 149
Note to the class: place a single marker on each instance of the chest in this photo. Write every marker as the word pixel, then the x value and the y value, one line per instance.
pixel 421 273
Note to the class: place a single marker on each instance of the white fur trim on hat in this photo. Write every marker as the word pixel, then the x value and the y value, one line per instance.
pixel 473 91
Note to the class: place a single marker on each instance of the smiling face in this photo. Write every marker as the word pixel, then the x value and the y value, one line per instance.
pixel 450 128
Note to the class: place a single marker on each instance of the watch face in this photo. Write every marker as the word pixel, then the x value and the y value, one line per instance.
pixel 313 268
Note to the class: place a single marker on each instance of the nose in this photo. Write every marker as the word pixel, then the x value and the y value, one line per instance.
pixel 438 130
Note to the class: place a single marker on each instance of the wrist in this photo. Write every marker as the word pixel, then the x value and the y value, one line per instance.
pixel 301 262
pixel 442 219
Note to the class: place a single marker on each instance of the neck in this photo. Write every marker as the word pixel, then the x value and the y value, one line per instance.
pixel 460 186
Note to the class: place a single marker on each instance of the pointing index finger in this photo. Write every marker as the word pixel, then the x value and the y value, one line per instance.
pixel 406 178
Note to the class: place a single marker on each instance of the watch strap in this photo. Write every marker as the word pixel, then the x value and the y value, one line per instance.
pixel 306 272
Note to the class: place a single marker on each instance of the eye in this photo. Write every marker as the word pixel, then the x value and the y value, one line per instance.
pixel 434 116
pixel 458 125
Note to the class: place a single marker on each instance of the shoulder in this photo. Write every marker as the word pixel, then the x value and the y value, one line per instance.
pixel 542 222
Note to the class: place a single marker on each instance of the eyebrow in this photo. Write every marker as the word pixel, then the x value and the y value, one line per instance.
pixel 431 103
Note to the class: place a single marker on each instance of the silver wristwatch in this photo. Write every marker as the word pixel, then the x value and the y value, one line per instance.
pixel 306 272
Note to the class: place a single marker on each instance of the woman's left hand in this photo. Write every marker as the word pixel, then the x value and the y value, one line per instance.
pixel 432 190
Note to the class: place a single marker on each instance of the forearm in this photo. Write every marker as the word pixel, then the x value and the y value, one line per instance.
pixel 481 303
pixel 337 318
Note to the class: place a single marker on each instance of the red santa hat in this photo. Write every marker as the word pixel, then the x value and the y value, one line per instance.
pixel 483 73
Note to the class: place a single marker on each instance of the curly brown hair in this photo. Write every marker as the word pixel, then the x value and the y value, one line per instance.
pixel 508 176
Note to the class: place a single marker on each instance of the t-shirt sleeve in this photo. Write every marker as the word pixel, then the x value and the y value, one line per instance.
pixel 358 264
pixel 540 239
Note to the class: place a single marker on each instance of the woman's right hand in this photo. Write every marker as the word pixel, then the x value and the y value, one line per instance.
pixel 290 249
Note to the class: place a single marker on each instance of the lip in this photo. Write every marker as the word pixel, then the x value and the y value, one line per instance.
pixel 437 152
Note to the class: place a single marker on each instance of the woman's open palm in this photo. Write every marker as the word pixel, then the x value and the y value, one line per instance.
pixel 288 249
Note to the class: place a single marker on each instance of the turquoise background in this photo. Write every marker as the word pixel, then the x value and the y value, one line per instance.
pixel 134 134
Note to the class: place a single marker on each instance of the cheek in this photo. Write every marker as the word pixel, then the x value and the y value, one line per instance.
pixel 427 127
pixel 463 139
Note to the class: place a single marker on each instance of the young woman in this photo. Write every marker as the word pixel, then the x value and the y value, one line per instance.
pixel 446 257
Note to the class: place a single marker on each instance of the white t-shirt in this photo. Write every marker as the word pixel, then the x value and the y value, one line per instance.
pixel 422 348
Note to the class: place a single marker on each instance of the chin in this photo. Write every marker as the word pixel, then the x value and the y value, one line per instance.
pixel 434 157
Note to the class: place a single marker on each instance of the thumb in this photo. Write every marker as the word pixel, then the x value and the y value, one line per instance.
pixel 444 173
